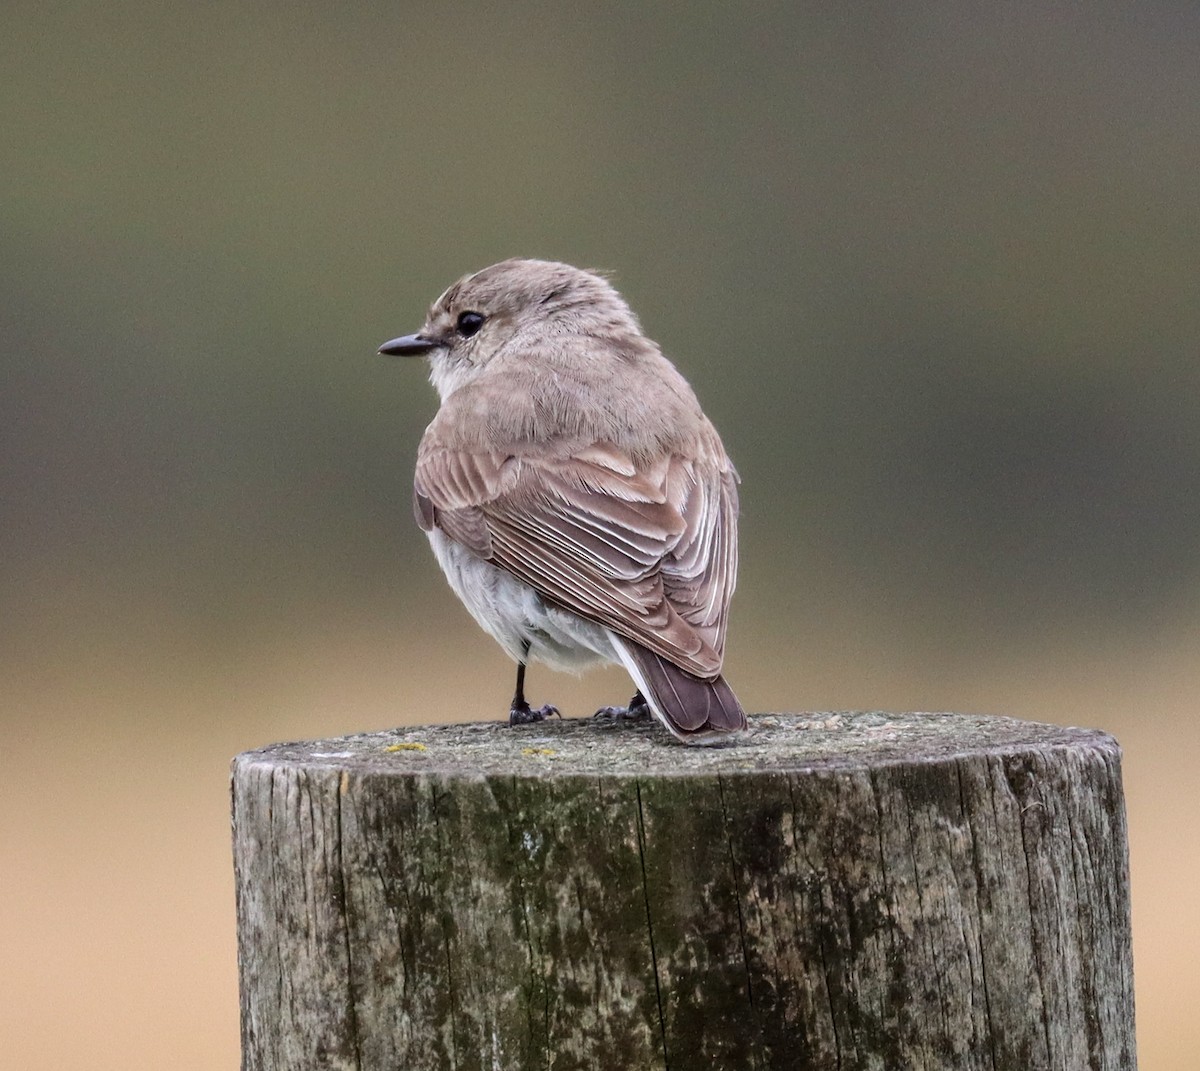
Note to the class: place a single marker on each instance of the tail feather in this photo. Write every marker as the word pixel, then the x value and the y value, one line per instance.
pixel 691 707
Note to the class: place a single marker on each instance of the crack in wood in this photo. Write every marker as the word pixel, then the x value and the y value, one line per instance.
pixel 641 830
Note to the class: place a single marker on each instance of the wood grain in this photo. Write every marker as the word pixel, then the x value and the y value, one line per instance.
pixel 839 891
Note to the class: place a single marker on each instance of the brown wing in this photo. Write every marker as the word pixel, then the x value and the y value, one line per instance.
pixel 652 554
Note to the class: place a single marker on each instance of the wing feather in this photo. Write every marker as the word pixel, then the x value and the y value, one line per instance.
pixel 650 551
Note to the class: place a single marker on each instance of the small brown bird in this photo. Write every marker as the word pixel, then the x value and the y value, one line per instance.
pixel 576 496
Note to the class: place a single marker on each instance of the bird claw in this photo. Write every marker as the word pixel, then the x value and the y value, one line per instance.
pixel 638 710
pixel 523 714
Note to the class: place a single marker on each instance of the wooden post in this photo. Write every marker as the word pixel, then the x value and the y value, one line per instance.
pixel 842 891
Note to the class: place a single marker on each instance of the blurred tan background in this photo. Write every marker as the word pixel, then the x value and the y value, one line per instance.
pixel 932 271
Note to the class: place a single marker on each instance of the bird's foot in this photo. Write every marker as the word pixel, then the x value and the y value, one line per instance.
pixel 523 714
pixel 638 710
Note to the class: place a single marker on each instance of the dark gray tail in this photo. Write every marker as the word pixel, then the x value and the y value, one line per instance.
pixel 690 706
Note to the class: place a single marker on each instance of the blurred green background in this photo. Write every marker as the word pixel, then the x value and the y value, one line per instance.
pixel 931 268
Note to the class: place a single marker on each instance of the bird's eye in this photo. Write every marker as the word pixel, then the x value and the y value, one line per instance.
pixel 469 323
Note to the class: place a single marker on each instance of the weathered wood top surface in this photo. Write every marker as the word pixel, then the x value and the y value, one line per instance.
pixel 584 746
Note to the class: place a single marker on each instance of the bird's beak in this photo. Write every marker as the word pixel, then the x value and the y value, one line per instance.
pixel 408 346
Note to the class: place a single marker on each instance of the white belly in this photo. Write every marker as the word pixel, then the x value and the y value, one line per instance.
pixel 513 613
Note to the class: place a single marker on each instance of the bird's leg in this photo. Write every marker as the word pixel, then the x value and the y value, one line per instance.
pixel 638 710
pixel 520 713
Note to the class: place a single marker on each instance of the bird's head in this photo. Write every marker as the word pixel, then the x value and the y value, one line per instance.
pixel 511 307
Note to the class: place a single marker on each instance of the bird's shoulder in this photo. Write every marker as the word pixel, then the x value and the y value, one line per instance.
pixel 614 419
